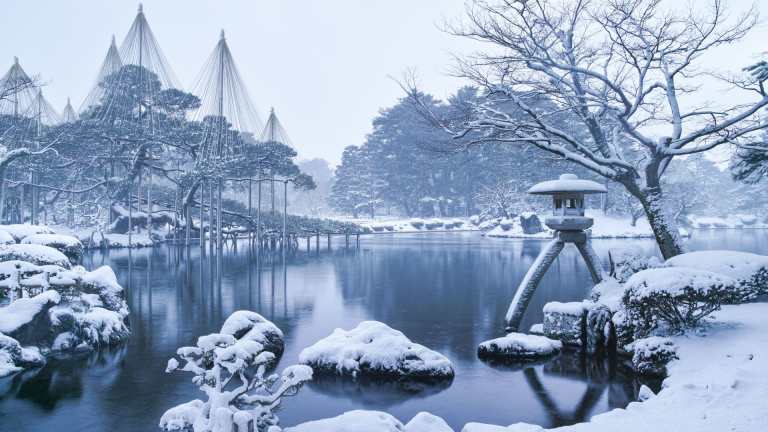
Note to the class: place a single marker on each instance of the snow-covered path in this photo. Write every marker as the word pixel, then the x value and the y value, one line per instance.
pixel 719 384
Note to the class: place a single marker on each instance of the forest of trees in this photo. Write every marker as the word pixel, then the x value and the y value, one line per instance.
pixel 409 166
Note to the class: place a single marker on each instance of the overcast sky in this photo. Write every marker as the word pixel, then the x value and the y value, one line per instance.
pixel 323 65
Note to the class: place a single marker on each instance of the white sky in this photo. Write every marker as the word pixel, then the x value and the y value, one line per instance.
pixel 323 65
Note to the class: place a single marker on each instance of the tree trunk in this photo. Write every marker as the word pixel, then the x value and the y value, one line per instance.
pixel 664 227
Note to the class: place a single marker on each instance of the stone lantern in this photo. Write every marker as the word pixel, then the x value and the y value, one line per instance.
pixel 568 222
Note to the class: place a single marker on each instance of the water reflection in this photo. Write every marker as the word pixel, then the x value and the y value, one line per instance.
pixel 448 292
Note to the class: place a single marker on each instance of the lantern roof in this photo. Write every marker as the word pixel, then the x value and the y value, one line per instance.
pixel 567 183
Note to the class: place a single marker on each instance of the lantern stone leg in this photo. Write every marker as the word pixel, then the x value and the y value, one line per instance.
pixel 531 280
pixel 592 260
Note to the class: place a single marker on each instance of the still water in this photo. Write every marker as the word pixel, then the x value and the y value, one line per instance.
pixel 447 291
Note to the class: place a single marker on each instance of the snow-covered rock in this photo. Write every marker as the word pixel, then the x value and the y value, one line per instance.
pixel 565 321
pixel 599 331
pixel 426 422
pixel 15 358
pixel 519 346
pixel 20 231
pixel 35 254
pixel 373 348
pixel 248 325
pixel 352 421
pixel 23 318
pixel 68 245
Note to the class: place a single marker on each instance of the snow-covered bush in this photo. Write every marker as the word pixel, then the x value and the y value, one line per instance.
pixel 6 238
pixel 232 372
pixel 651 355
pixel 14 357
pixel 20 231
pixel 624 263
pixel 249 325
pixel 373 348
pixel 507 224
pixel 68 245
pixel 474 220
pixel 750 270
pixel 674 299
pixel 35 254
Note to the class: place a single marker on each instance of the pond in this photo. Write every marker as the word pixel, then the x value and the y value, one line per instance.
pixel 447 291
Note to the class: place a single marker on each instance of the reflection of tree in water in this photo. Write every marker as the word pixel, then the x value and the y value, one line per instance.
pixel 62 378
pixel 601 374
pixel 376 393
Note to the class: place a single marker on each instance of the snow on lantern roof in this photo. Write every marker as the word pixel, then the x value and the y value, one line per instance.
pixel 567 183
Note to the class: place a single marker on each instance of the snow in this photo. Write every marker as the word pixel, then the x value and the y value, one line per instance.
pixel 734 264
pixel 6 238
pixel 520 346
pixel 24 310
pixel 414 225
pixel 180 416
pixel 248 325
pixel 517 427
pixel 567 183
pixel 610 293
pixel 35 254
pixel 374 348
pixel 20 231
pixel 736 221
pixel 352 421
pixel 426 422
pixel 569 308
pixel 604 227
pixel 52 239
pixel 674 280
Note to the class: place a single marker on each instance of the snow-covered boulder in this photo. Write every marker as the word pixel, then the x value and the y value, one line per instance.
pixel 373 348
pixel 751 270
pixel 15 358
pixel 651 355
pixel 20 231
pixel 426 422
pixel 565 322
pixel 35 254
pixel 68 245
pixel 6 238
pixel 352 421
pixel 417 223
pixel 248 325
pixel 519 346
pixel 433 224
pixel 26 319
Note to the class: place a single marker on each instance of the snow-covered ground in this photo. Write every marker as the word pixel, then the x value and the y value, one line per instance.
pixel 719 383
pixel 737 221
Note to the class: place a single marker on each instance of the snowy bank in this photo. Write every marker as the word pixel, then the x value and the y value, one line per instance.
pixel 373 348
pixel 414 225
pixel 373 421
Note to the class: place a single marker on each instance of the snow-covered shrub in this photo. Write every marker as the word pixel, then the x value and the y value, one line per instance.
pixel 14 357
pixel 674 298
pixel 249 325
pixel 651 355
pixel 68 245
pixel 624 263
pixel 417 223
pixel 474 220
pixel 750 270
pixel 232 372
pixel 373 348
pixel 103 283
pixel 34 254
pixel 20 231
pixel 507 224
pixel 518 346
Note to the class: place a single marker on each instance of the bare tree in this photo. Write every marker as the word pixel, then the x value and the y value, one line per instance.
pixel 618 78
